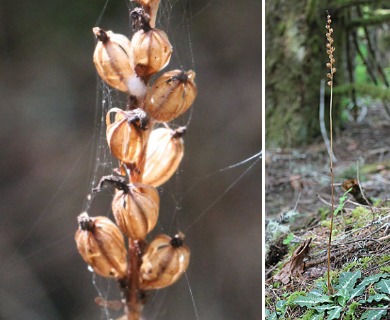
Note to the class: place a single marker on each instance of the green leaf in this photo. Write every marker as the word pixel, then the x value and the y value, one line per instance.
pixel 324 307
pixel 318 316
pixel 281 306
pixel 357 292
pixel 341 202
pixel 366 281
pixel 348 280
pixel 372 279
pixel 351 310
pixel 383 286
pixel 272 316
pixel 269 315
pixel 378 297
pixel 312 299
pixel 288 239
pixel 342 296
pixel 373 314
pixel 335 313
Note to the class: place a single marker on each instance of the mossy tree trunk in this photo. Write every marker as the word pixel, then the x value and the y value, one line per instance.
pixel 295 64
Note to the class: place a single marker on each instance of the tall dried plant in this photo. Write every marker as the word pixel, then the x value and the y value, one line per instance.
pixel 330 65
pixel 147 158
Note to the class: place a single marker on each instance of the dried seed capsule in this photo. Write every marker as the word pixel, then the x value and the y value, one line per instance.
pixel 164 153
pixel 136 210
pixel 101 245
pixel 127 134
pixel 164 261
pixel 151 50
pixel 171 95
pixel 112 58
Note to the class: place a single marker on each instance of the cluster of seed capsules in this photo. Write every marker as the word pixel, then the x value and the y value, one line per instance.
pixel 147 156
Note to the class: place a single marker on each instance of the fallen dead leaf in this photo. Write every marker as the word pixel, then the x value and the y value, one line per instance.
pixel 295 266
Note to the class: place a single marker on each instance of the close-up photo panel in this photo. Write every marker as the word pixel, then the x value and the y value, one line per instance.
pixel 132 160
pixel 327 160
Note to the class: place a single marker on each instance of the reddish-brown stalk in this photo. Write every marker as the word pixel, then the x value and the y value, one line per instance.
pixel 329 50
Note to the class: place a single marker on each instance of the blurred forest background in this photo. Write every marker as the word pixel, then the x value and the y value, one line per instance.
pixel 296 58
pixel 48 89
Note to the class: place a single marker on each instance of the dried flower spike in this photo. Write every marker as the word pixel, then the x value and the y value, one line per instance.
pixel 112 58
pixel 171 95
pixel 136 210
pixel 164 154
pixel 127 135
pixel 102 246
pixel 150 47
pixel 164 261
pixel 329 51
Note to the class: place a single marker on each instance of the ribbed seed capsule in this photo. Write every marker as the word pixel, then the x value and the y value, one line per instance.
pixel 151 51
pixel 112 58
pixel 164 154
pixel 127 134
pixel 171 95
pixel 136 210
pixel 164 261
pixel 101 245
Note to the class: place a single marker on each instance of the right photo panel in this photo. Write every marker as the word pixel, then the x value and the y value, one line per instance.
pixel 327 159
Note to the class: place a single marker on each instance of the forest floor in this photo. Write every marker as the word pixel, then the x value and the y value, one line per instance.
pixel 296 178
pixel 298 203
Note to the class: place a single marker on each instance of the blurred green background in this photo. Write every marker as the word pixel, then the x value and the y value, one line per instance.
pixel 48 89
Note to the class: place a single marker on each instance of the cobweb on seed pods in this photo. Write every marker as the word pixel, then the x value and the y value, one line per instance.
pixel 174 17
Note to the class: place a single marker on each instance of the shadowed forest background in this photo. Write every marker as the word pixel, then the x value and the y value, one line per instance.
pixel 298 195
pixel 295 66
pixel 48 92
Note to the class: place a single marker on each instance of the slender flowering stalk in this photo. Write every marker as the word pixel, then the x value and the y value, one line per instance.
pixel 332 70
pixel 128 66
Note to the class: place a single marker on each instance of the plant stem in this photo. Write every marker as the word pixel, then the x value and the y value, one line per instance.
pixel 134 296
pixel 330 289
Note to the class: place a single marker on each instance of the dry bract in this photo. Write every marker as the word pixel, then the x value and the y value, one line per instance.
pixel 171 95
pixel 113 61
pixel 136 211
pixel 127 135
pixel 102 246
pixel 164 154
pixel 164 261
pixel 151 51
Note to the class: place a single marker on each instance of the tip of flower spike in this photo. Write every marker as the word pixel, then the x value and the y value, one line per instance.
pixel 179 132
pixel 100 34
pixel 181 77
pixel 85 222
pixel 177 240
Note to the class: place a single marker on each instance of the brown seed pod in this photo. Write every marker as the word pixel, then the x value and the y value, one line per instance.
pixel 164 154
pixel 127 135
pixel 101 245
pixel 171 95
pixel 164 261
pixel 151 51
pixel 112 58
pixel 136 210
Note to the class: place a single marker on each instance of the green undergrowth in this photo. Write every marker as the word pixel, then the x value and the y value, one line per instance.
pixel 352 293
pixel 360 276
